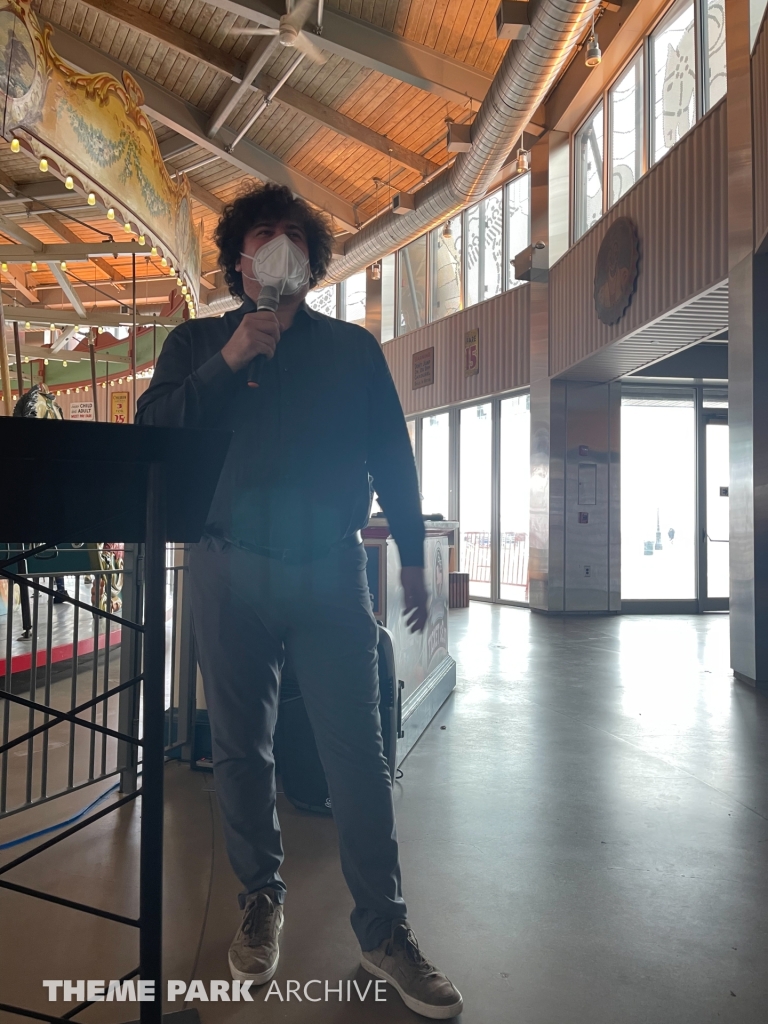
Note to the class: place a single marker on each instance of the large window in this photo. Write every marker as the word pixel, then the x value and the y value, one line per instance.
pixel 518 193
pixel 588 159
pixel 475 495
pixel 673 56
pixel 626 128
pixel 388 297
pixel 354 299
pixel 493 237
pixel 514 497
pixel 472 247
pixel 435 455
pixel 323 300
pixel 412 285
pixel 445 269
pixel 716 79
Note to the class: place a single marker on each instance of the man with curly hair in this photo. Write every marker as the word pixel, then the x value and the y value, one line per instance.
pixel 280 572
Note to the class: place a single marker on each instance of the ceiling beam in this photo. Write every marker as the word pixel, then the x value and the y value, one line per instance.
pixel 68 235
pixel 375 48
pixel 68 288
pixel 17 232
pixel 191 122
pixel 239 72
pixel 44 317
pixel 202 195
pixel 19 281
pixel 174 146
pixel 80 251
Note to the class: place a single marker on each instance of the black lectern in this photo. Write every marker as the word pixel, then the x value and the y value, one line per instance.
pixel 90 481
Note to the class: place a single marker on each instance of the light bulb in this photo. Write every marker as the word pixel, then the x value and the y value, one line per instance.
pixel 120 380
pixel 91 199
pixel 63 264
pixel 111 383
pixel 27 325
pixel 67 390
pixel 3 266
pixel 127 226
pixel 141 240
pixel 85 388
pixel 153 251
pixel 33 267
pixel 43 165
pixel 180 282
pixel 64 362
pixel 69 181
pixel 77 391
pixel 163 262
pixel 104 384
pixel 26 359
pixel 45 362
pixel 173 270
pixel 594 54
pixel 110 214
pixel 15 145
pixel 129 377
pixel 53 327
pixel 101 330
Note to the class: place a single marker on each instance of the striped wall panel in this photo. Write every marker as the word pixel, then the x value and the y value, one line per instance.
pixel 681 211
pixel 503 326
pixel 760 134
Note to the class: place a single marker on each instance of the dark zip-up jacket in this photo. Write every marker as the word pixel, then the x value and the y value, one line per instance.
pixel 323 428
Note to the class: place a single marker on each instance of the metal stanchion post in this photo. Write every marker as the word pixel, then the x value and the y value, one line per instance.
pixel 151 856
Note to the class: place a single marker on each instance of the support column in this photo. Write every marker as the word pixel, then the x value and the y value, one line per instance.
pixel 546 546
pixel 747 369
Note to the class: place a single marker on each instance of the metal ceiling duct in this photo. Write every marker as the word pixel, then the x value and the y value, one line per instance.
pixel 521 83
pixel 218 301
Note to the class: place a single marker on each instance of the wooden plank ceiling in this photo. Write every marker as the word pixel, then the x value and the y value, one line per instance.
pixel 352 129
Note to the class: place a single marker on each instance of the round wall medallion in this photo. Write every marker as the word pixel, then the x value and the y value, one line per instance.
pixel 616 271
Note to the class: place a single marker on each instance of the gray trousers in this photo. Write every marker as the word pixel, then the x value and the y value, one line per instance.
pixel 249 611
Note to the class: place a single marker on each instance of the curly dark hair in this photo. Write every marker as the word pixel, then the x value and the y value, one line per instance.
pixel 270 203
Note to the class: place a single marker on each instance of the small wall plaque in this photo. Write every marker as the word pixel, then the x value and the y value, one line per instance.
pixel 472 353
pixel 423 368
pixel 583 518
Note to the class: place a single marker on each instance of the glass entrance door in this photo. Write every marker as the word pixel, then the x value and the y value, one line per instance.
pixel 714 572
pixel 674 499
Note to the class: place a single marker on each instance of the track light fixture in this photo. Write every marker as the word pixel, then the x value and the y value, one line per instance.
pixel 594 54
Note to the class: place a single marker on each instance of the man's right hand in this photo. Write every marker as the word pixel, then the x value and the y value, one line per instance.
pixel 257 335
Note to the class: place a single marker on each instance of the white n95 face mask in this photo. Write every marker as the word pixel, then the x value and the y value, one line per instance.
pixel 279 264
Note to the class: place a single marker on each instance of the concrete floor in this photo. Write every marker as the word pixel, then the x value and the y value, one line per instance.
pixel 583 834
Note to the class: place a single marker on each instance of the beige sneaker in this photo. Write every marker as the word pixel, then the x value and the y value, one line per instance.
pixel 422 987
pixel 255 949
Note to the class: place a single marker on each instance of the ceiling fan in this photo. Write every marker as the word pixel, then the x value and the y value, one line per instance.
pixel 290 30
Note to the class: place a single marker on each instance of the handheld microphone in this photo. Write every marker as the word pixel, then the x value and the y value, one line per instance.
pixel 269 298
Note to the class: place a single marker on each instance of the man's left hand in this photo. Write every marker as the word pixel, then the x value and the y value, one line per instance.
pixel 416 598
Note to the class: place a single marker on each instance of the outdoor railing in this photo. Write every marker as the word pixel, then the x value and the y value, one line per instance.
pixel 63 656
pixel 513 558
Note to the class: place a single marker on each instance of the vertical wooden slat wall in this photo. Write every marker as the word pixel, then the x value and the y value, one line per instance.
pixel 680 208
pixel 503 326
pixel 760 133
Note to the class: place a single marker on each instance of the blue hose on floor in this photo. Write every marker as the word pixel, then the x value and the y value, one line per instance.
pixel 61 824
